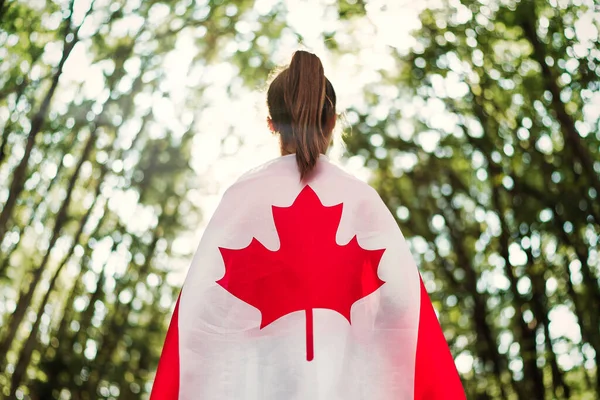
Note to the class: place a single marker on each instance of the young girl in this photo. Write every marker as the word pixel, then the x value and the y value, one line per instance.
pixel 303 286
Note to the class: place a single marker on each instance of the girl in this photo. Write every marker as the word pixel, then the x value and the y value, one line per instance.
pixel 303 286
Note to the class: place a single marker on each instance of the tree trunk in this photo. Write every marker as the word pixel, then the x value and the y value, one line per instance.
pixel 540 310
pixel 3 8
pixel 566 122
pixel 590 329
pixel 533 380
pixel 26 296
pixel 486 344
pixel 590 297
pixel 8 127
pixel 42 197
pixel 118 322
pixel 18 174
pixel 65 345
pixel 29 346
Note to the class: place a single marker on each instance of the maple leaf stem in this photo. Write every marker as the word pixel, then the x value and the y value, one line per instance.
pixel 310 350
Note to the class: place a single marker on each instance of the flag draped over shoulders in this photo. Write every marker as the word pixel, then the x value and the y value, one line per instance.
pixel 304 290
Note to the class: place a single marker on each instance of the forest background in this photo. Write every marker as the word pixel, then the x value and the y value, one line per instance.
pixel 122 122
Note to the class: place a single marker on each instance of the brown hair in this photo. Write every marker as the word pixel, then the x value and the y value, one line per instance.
pixel 301 103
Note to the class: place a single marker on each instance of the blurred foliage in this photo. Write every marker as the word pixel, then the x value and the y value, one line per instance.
pixel 492 167
pixel 483 140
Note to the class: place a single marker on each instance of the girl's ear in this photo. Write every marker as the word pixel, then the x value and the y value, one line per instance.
pixel 270 124
pixel 331 123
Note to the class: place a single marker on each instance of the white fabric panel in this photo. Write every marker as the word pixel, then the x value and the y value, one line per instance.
pixel 223 353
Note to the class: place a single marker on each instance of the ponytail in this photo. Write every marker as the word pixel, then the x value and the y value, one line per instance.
pixel 301 103
pixel 304 97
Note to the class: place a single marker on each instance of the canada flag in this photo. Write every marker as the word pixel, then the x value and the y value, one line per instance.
pixel 304 290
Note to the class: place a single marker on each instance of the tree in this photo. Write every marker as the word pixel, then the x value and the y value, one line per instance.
pixel 494 177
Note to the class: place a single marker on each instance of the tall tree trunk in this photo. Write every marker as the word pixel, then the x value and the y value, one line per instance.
pixel 29 346
pixel 3 8
pixel 540 310
pixel 19 173
pixel 590 297
pixel 549 78
pixel 118 323
pixel 9 124
pixel 50 358
pixel 86 322
pixel 533 381
pixel 590 327
pixel 88 313
pixel 26 296
pixel 43 195
pixel 94 377
pixel 486 342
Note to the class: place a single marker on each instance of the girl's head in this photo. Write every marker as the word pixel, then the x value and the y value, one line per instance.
pixel 301 103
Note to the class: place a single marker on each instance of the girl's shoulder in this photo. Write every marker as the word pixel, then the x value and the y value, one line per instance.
pixel 281 174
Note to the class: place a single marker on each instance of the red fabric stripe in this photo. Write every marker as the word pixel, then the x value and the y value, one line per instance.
pixel 166 382
pixel 436 376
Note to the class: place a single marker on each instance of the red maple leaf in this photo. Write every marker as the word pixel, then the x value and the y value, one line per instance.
pixel 310 270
